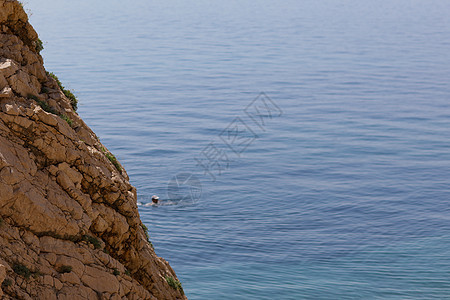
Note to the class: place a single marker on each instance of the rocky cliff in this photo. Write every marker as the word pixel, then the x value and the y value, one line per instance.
pixel 69 224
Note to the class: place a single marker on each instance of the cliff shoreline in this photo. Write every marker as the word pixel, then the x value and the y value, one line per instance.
pixel 69 224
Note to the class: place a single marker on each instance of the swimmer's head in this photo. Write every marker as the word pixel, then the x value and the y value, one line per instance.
pixel 155 199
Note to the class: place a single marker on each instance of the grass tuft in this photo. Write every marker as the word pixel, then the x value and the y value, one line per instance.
pixel 44 105
pixel 111 158
pixel 67 93
pixel 116 272
pixel 94 241
pixel 114 161
pixel 147 235
pixel 67 119
pixel 176 284
pixel 72 98
pixel 39 46
pixel 22 270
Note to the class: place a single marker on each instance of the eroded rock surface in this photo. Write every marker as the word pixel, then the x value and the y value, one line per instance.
pixel 69 224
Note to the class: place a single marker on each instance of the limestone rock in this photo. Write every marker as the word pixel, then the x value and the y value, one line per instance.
pixel 2 276
pixel 69 224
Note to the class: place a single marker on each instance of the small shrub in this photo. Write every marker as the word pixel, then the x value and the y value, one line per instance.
pixel 36 274
pixel 39 46
pixel 65 269
pixel 44 105
pixel 67 93
pixel 72 98
pixel 111 158
pixel 147 235
pixel 127 272
pixel 145 231
pixel 6 283
pixel 176 284
pixel 31 96
pixel 72 238
pixel 52 75
pixel 116 272
pixel 94 241
pixel 44 90
pixel 22 270
pixel 67 119
pixel 114 161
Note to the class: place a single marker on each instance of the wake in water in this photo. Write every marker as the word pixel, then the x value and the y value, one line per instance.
pixel 154 201
pixel 163 202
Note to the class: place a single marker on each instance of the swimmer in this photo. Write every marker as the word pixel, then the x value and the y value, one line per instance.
pixel 155 200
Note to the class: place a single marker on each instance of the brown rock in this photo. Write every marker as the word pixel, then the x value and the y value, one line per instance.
pixel 2 276
pixel 48 280
pixel 6 91
pixel 70 277
pixel 100 281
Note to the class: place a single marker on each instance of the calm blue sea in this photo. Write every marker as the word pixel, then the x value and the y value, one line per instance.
pixel 342 193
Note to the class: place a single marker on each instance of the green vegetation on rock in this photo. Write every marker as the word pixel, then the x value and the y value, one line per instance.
pixel 112 159
pixel 92 240
pixel 147 235
pixel 176 284
pixel 44 105
pixel 67 119
pixel 22 270
pixel 39 46
pixel 67 93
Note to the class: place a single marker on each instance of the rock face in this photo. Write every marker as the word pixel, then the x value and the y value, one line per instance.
pixel 69 224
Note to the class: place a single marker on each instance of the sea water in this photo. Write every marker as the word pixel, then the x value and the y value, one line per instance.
pixel 337 188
